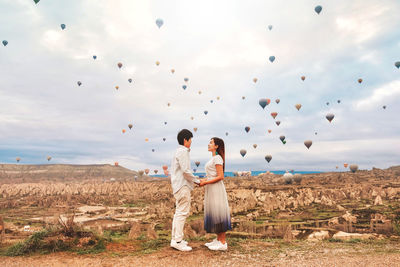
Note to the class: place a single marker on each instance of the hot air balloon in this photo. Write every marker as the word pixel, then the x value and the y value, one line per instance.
pixel 278 123
pixel 146 171
pixel 164 139
pixel 48 158
pixel 172 71
pixel 353 168
pixel 157 63
pixel 184 87
pixel 318 9
pixel 277 100
pixel 274 114
pixel 338 101
pixel 169 104
pixel 159 22
pixel 195 129
pixel 298 106
pixel 345 165
pixel 192 118
pixel 247 129
pixel 155 171
pixel 255 146
pixel 308 143
pixel 119 65
pixel 197 163
pixel 94 56
pixel 282 138
pixel 130 126
pixel 272 59
pixel 243 97
pixel 397 64
pixel 205 112
pixel 165 123
pixel 123 130
pixel 153 150
pixel 269 131
pixel 194 170
pixel 5 42
pixel 186 79
pixel 217 97
pixel 130 80
pixel 146 139
pixel 165 167
pixel 199 92
pixel 36 1
pixel 327 103
pixel 329 117
pixel 243 152
pixel 79 83
pixel 116 87
pixel 116 164
pixel 268 158
pixel 303 78
pixel 62 26
pixel 315 133
pixel 254 80
pixel 211 101
pixel 384 107
pixel 18 159
pixel 263 102
pixel 360 80
pixel 226 133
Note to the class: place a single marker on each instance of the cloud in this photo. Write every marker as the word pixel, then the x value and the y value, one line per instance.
pixel 380 96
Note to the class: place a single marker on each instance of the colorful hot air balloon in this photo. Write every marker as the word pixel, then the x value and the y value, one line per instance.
pixel 243 152
pixel 48 158
pixel 18 159
pixel 165 167
pixel 282 138
pixel 247 129
pixel 263 102
pixel 274 114
pixel 165 123
pixel 318 9
pixel 5 42
pixel 153 150
pixel 116 164
pixel 186 79
pixel 327 103
pixel 360 80
pixel 155 171
pixel 277 100
pixel 272 59
pixel 130 125
pixel 146 171
pixel 269 27
pixel 172 71
pixel 255 146
pixel 338 101
pixel 278 123
pixel 353 168
pixel 303 78
pixel 298 106
pixel 217 97
pixel 345 165
pixel 94 56
pixel 36 1
pixel 79 83
pixel 329 117
pixel 195 129
pixel 184 87
pixel 130 80
pixel 226 133
pixel 254 80
pixel 123 130
pixel 62 26
pixel 119 65
pixel 384 107
pixel 168 104
pixel 243 97
pixel 308 143
pixel 269 131
pixel 192 118
pixel 159 22
pixel 397 64
pixel 268 158
pixel 199 92
pixel 157 63
pixel 211 101
pixel 116 87
pixel 164 139
pixel 146 139
pixel 197 163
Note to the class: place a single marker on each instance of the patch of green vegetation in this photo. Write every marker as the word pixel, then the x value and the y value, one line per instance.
pixel 97 248
pixel 152 245
pixel 353 240
pixel 334 240
pixel 111 235
pixel 194 217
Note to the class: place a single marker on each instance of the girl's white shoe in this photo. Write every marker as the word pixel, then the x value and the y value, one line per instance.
pixel 219 246
pixel 211 243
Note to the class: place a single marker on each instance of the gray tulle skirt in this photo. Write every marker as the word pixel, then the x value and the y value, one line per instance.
pixel 217 218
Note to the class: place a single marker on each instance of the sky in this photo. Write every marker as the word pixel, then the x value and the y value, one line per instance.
pixel 220 46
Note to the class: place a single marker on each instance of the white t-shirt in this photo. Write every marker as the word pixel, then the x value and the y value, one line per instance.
pixel 211 170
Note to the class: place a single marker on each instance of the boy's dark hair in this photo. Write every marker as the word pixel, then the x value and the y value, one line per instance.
pixel 184 134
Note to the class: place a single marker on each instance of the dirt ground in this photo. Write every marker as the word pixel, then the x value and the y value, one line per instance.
pixel 240 253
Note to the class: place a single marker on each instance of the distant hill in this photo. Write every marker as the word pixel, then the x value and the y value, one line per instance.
pixel 14 173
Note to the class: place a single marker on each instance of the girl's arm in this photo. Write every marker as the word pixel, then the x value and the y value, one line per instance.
pixel 220 176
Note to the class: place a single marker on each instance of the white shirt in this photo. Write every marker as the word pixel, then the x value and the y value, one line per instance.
pixel 211 170
pixel 181 174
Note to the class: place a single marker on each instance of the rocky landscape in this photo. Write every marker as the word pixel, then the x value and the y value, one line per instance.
pixel 325 206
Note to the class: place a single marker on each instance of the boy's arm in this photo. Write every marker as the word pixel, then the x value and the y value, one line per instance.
pixel 184 163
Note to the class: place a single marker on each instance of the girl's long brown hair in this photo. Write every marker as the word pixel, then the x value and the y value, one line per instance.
pixel 221 148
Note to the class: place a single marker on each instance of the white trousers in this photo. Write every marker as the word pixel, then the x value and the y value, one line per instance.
pixel 182 203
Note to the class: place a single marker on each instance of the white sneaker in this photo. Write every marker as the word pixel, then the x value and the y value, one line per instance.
pixel 219 246
pixel 181 246
pixel 214 242
pixel 174 242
